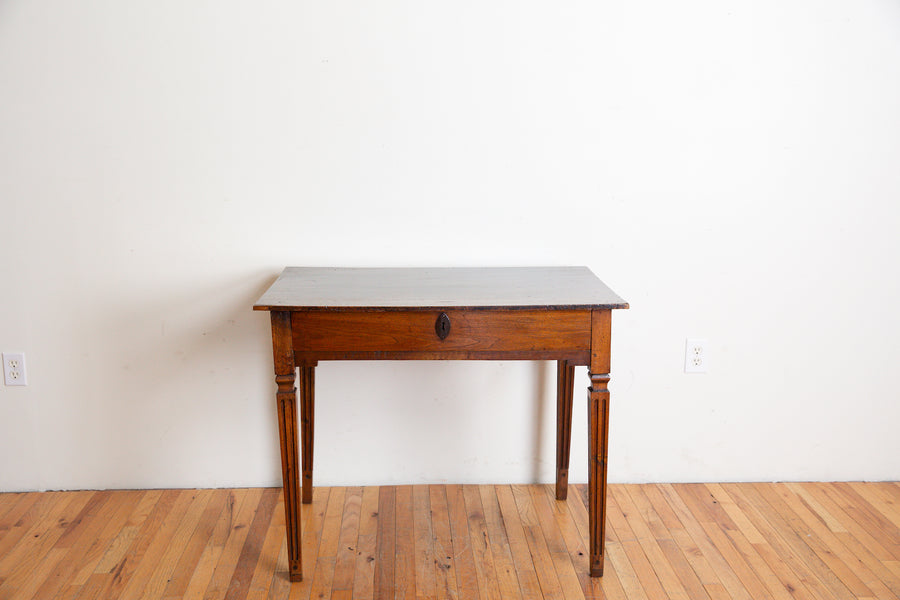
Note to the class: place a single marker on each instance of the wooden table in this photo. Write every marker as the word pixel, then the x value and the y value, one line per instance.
pixel 525 313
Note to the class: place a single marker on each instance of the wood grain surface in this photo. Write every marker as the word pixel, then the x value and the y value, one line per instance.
pixel 556 331
pixel 804 541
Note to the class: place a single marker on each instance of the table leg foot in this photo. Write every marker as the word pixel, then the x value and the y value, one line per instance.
pixel 296 572
pixel 562 486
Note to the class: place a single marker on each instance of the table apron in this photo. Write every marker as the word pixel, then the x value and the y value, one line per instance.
pixel 481 334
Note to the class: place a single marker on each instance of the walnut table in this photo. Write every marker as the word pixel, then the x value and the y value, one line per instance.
pixel 523 313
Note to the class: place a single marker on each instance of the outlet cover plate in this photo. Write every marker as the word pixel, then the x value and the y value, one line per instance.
pixel 695 355
pixel 14 368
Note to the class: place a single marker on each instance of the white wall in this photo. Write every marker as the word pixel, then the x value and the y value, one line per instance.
pixel 730 168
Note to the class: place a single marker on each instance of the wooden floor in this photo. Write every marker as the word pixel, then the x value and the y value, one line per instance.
pixel 697 541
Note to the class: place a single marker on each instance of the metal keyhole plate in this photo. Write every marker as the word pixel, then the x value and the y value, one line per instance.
pixel 442 326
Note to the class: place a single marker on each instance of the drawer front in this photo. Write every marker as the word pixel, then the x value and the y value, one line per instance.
pixel 421 331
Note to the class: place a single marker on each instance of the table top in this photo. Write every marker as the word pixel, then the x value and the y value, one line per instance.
pixel 512 288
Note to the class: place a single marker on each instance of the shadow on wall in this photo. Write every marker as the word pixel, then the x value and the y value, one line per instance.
pixel 176 377
pixel 400 422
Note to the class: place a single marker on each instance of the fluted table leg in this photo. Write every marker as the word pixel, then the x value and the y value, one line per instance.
pixel 598 435
pixel 286 401
pixel 565 376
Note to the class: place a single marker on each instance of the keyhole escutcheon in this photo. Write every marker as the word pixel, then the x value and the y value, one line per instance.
pixel 442 326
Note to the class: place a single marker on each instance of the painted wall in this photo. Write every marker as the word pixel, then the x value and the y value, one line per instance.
pixel 730 168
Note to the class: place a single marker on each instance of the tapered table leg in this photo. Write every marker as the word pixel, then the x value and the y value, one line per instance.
pixel 286 401
pixel 307 423
pixel 598 436
pixel 565 376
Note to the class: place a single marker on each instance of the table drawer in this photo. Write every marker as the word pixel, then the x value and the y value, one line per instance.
pixel 420 331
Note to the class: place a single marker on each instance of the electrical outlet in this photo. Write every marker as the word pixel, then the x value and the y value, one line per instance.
pixel 14 368
pixel 695 358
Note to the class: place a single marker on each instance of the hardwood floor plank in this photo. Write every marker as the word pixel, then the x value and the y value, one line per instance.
pixel 76 543
pixel 708 510
pixel 835 570
pixel 504 566
pixel 894 566
pixel 819 492
pixel 883 574
pixel 559 555
pixel 424 542
pixel 348 539
pixel 655 528
pixel 167 510
pixel 97 575
pixel 785 577
pixel 266 566
pixel 624 580
pixel 280 587
pixel 792 546
pixel 628 577
pixel 631 545
pixel 405 551
pixel 134 583
pixel 754 572
pixel 322 578
pixel 466 578
pixel 386 541
pixel 682 546
pixel 17 515
pixel 71 592
pixel 445 565
pixel 881 495
pixel 125 503
pixel 252 547
pixel 739 520
pixel 134 525
pixel 313 517
pixel 87 514
pixel 331 528
pixel 646 539
pixel 312 539
pixel 7 501
pixel 525 568
pixel 364 578
pixel 867 516
pixel 832 544
pixel 159 578
pixel 777 551
pixel 813 505
pixel 592 588
pixel 193 549
pixel 213 548
pixel 717 591
pixel 37 575
pixel 38 544
pixel 328 539
pixel 37 522
pixel 723 571
pixel 234 542
pixel 798 541
pixel 537 545
pixel 479 540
